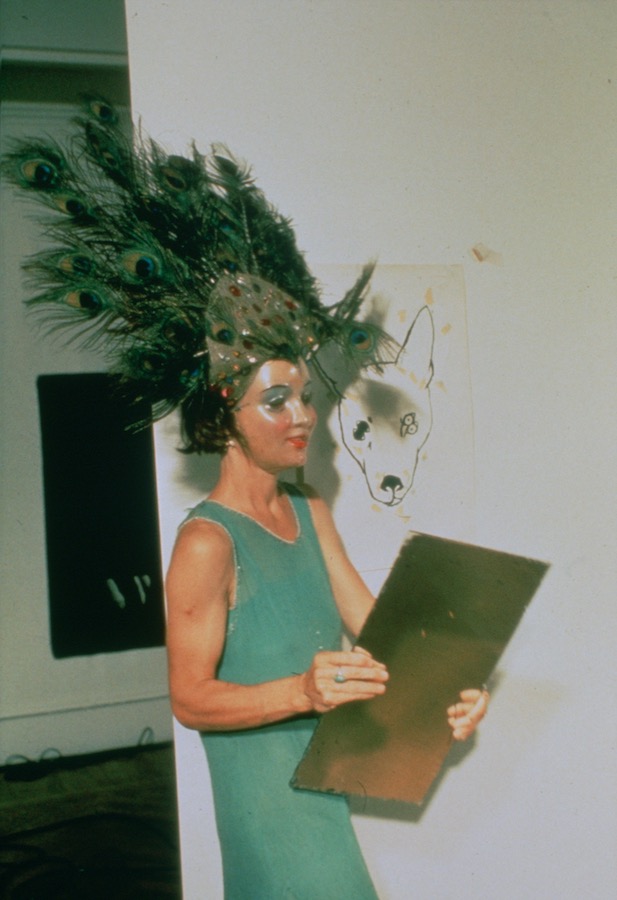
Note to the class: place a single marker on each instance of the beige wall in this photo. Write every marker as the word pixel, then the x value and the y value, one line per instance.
pixel 416 130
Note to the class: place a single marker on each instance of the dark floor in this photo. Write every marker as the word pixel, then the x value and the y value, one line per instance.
pixel 97 826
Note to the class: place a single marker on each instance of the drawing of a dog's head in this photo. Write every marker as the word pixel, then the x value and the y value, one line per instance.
pixel 385 417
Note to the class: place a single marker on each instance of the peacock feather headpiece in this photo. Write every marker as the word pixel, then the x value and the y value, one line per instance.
pixel 179 267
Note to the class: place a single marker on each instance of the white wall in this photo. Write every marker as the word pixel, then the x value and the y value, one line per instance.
pixel 416 130
pixel 80 704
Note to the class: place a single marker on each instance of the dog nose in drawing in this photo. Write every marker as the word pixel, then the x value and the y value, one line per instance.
pixel 393 484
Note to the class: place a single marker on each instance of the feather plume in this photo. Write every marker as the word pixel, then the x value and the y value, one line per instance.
pixel 178 266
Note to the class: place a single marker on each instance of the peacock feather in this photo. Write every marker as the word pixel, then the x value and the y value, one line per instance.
pixel 178 267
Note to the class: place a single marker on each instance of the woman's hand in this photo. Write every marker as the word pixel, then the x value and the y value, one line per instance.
pixel 337 677
pixel 464 716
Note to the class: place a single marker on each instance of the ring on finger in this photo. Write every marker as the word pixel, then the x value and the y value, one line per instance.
pixel 340 676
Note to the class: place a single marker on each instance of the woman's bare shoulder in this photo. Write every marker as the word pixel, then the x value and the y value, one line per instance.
pixel 202 546
pixel 201 532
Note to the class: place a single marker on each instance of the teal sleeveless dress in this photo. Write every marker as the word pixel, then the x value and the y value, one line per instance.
pixel 278 842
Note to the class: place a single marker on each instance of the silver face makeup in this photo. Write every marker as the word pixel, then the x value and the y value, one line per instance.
pixel 278 397
pixel 276 416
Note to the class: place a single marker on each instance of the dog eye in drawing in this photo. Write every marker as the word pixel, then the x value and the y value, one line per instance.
pixel 409 424
pixel 361 429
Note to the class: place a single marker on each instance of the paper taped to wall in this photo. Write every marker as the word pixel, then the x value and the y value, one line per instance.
pixel 440 623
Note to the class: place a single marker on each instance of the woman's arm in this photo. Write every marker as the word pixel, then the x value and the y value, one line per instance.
pixel 355 602
pixel 353 598
pixel 200 588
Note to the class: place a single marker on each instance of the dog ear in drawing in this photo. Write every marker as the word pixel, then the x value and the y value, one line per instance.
pixel 385 417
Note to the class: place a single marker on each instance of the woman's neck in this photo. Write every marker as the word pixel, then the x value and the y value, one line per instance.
pixel 244 486
pixel 254 492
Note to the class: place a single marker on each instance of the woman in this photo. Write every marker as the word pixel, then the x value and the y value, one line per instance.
pixel 194 284
pixel 258 586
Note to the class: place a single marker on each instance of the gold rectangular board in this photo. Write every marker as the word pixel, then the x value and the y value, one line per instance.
pixel 440 624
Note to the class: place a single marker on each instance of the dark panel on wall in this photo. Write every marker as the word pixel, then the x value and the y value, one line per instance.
pixel 103 555
pixel 27 82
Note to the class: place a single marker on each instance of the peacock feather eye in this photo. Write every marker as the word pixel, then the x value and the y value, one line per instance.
pixel 71 205
pixel 361 339
pixel 77 264
pixel 104 149
pixel 180 257
pixel 178 174
pixel 42 174
pixel 103 111
pixel 173 179
pixel 141 266
pixel 223 334
pixel 87 300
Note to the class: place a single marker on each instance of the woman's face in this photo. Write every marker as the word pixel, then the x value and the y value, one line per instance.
pixel 275 417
